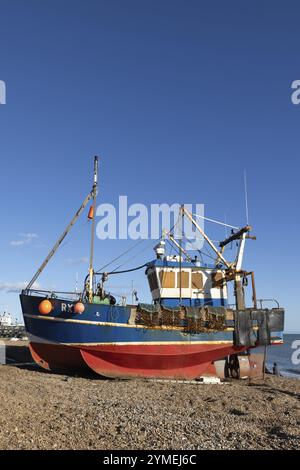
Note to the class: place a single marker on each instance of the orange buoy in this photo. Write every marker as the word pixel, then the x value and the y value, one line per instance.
pixel 45 307
pixel 79 307
pixel 91 213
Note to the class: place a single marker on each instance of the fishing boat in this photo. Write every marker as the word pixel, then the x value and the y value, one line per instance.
pixel 189 330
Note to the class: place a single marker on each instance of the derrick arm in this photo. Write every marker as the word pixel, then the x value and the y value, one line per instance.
pixel 235 236
pixel 60 240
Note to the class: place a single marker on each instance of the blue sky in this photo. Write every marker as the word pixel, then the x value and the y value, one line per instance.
pixel 178 98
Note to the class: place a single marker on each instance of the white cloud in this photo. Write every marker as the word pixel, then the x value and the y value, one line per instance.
pixel 18 242
pixel 28 235
pixel 25 239
pixel 74 261
pixel 16 286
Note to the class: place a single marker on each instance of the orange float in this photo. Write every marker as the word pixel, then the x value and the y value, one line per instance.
pixel 45 307
pixel 79 307
pixel 91 213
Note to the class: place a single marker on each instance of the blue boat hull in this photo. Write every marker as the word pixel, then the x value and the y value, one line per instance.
pixel 104 339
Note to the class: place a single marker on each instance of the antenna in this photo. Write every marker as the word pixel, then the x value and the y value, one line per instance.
pixel 76 282
pixel 246 197
pixel 132 292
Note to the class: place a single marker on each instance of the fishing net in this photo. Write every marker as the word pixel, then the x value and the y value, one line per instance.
pixel 215 318
pixel 205 319
pixel 148 314
pixel 172 316
pixel 193 320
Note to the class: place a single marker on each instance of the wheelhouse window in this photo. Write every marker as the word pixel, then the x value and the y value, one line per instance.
pixel 167 279
pixel 197 280
pixel 217 280
pixel 184 275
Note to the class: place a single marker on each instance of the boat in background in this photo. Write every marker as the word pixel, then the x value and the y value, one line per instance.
pixel 189 330
pixel 6 319
pixel 10 328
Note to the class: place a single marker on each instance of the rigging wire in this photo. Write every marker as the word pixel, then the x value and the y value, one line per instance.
pixel 215 221
pixel 129 249
pixel 172 247
pixel 138 253
pixel 164 273
pixel 120 256
pixel 198 251
pixel 116 270
pixel 201 253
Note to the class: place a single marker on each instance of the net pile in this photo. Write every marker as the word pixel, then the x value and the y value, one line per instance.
pixel 193 320
pixel 172 316
pixel 205 319
pixel 148 315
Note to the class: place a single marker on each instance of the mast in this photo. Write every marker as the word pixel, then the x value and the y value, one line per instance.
pixel 180 259
pixel 91 195
pixel 94 192
pixel 241 235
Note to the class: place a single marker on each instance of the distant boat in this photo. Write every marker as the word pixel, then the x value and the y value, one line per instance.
pixel 6 319
pixel 188 331
pixel 10 328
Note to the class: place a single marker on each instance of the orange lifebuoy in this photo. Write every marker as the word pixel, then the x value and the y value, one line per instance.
pixel 79 307
pixel 45 307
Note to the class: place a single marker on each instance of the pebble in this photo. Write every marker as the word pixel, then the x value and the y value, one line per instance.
pixel 50 412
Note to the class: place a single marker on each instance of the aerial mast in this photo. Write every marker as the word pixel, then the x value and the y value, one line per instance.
pixel 94 192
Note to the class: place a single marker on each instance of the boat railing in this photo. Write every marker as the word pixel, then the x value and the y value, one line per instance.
pixel 262 301
pixel 53 294
pixel 231 306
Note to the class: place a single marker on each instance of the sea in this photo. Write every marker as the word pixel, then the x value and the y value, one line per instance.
pixel 286 356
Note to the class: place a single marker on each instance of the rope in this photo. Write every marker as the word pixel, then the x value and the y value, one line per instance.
pixel 125 270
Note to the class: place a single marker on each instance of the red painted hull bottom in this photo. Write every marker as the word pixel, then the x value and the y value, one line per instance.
pixel 131 361
pixel 57 358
